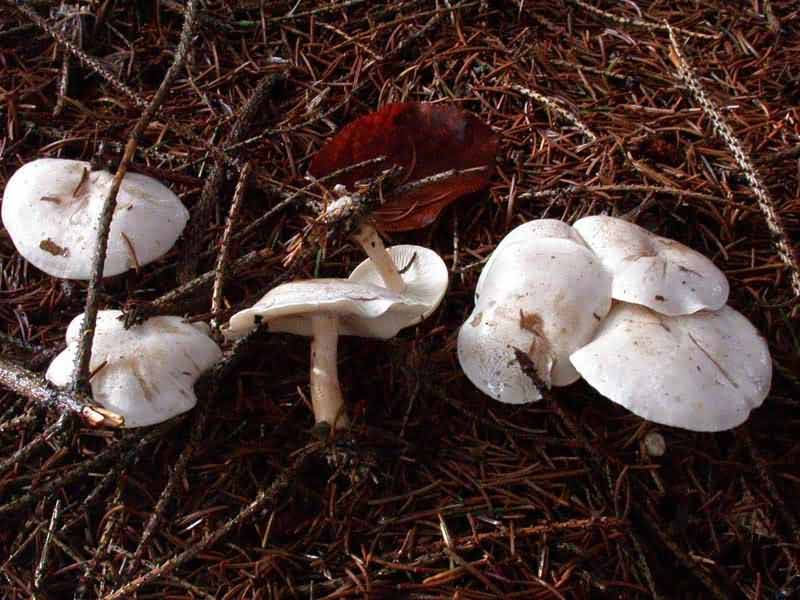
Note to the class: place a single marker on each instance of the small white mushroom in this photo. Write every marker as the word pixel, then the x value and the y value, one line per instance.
pixel 702 372
pixel 653 271
pixel 146 374
pixel 323 309
pixel 541 300
pixel 51 209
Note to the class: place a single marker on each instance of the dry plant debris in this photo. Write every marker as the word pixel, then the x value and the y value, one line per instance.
pixel 682 115
pixel 423 139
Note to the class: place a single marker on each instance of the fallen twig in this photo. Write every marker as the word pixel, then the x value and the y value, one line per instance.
pixel 572 189
pixel 635 22
pixel 35 387
pixel 221 269
pixel 553 105
pixel 213 183
pixel 41 566
pixel 80 377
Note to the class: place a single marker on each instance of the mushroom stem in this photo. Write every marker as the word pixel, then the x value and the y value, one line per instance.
pixel 326 395
pixel 372 244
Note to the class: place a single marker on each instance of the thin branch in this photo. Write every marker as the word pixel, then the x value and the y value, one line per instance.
pixel 298 195
pixel 572 189
pixel 98 68
pixel 319 10
pixel 80 376
pixel 167 301
pixel 201 412
pixel 63 84
pixel 198 428
pixel 41 567
pixel 87 60
pixel 636 22
pixel 601 465
pixel 222 260
pixel 553 105
pixel 435 178
pixel 780 238
pixel 213 184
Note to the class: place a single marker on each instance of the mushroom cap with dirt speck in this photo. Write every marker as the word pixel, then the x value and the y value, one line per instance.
pixel 653 271
pixel 422 270
pixel 543 298
pixel 51 210
pixel 702 372
pixel 532 230
pixel 147 373
pixel 362 309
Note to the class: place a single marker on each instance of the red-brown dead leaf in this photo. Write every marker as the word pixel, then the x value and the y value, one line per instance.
pixel 424 139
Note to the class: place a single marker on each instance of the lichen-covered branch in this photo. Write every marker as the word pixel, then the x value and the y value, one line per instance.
pixel 781 240
pixel 34 387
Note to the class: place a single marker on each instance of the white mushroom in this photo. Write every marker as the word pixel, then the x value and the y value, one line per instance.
pixel 51 209
pixel 532 230
pixel 146 374
pixel 541 300
pixel 326 308
pixel 703 372
pixel 659 273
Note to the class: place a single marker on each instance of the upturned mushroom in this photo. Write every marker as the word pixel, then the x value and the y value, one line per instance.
pixel 542 296
pixel 653 271
pixel 324 309
pixel 145 374
pixel 703 372
pixel 51 209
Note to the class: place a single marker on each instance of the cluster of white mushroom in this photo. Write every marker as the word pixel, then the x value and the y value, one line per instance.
pixel 51 210
pixel 643 319
pixel 394 288
pixel 146 374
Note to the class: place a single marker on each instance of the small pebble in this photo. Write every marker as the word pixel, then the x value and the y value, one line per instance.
pixel 654 444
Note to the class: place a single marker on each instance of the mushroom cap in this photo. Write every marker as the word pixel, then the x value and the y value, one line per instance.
pixel 657 272
pixel 544 297
pixel 146 373
pixel 532 230
pixel 702 372
pixel 363 309
pixel 423 272
pixel 51 210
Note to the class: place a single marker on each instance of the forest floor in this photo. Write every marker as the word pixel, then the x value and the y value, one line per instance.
pixel 438 492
